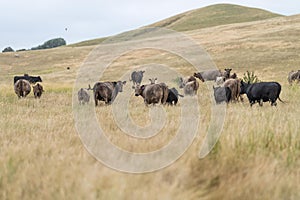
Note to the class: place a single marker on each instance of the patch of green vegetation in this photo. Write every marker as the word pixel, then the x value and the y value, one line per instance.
pixel 215 15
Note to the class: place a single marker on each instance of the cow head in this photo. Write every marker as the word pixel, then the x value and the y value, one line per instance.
pixel 119 85
pixel 139 89
pixel 226 74
pixel 152 80
pixel 244 87
pixel 198 75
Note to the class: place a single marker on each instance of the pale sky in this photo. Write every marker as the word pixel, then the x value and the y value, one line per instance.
pixel 29 23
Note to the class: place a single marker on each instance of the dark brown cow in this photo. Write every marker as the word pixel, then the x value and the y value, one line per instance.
pixel 107 91
pixel 153 93
pixel 22 88
pixel 38 90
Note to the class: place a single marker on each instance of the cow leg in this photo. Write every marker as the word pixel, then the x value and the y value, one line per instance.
pixel 273 103
pixel 261 102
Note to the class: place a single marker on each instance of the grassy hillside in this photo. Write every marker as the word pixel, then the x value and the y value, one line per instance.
pixel 214 15
pixel 210 16
pixel 257 156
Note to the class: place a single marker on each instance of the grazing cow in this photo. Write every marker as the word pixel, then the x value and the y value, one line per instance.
pixel 173 97
pixel 209 75
pixel 222 94
pixel 189 85
pixel 152 93
pixel 262 92
pixel 38 90
pixel 22 88
pixel 83 96
pixel 107 91
pixel 234 86
pixel 294 76
pixel 136 78
pixel 31 79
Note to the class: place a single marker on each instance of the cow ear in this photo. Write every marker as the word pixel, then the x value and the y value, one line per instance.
pixel 143 87
pixel 124 82
pixel 143 72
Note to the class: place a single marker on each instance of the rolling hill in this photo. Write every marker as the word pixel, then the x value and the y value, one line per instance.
pixel 209 16
pixel 214 15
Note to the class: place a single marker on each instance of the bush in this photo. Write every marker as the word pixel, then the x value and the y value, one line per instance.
pixel 51 44
pixel 8 49
pixel 250 77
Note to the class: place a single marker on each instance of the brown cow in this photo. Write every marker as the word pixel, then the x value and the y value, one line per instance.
pixel 38 90
pixel 22 88
pixel 234 86
pixel 153 93
pixel 107 91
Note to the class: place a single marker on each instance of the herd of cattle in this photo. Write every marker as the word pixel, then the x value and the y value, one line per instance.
pixel 22 85
pixel 229 88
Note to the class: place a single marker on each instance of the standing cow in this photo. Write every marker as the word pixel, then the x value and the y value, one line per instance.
pixel 234 86
pixel 173 97
pixel 38 90
pixel 22 88
pixel 83 96
pixel 209 75
pixel 136 78
pixel 294 76
pixel 222 94
pixel 107 91
pixel 189 85
pixel 262 92
pixel 153 93
pixel 31 79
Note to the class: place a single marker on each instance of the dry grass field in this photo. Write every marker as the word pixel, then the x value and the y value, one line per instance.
pixel 256 157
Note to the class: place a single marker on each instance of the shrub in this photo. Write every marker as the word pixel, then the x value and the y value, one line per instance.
pixel 8 49
pixel 51 44
pixel 250 77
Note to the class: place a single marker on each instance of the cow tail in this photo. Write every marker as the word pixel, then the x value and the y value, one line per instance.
pixel 281 100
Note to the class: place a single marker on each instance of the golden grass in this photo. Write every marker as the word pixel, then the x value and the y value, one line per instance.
pixel 257 156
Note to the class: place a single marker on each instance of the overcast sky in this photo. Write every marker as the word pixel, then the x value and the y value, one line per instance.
pixel 28 23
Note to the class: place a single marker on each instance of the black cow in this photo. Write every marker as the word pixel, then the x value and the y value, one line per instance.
pixel 261 92
pixel 173 97
pixel 31 79
pixel 136 78
pixel 107 91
